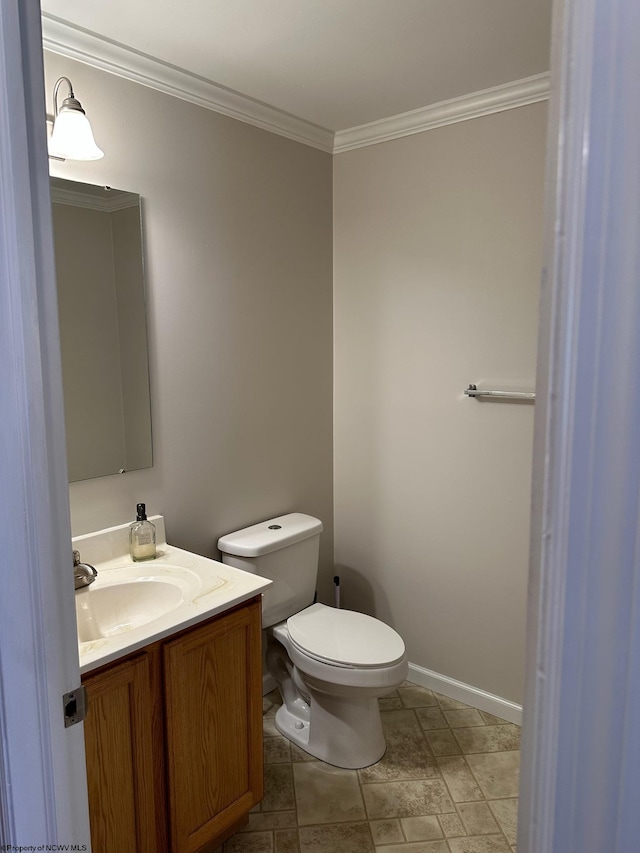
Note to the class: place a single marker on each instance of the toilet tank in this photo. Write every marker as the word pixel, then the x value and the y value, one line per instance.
pixel 284 550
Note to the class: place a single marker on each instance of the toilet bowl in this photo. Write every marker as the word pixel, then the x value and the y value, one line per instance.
pixel 331 666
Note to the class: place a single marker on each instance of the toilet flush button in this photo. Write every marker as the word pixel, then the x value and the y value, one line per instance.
pixel 299 725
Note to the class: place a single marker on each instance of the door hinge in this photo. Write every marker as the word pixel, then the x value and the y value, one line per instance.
pixel 74 704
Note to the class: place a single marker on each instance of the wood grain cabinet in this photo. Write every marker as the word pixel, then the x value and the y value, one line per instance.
pixel 124 797
pixel 173 739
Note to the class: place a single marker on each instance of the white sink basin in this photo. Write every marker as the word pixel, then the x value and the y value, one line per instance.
pixel 108 610
pixel 131 605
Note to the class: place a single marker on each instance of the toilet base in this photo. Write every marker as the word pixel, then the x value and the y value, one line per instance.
pixel 343 732
pixel 330 711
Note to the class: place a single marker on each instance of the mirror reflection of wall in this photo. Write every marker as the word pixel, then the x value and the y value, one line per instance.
pixel 101 303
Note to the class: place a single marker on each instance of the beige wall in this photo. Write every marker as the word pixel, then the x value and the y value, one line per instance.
pixel 437 258
pixel 238 252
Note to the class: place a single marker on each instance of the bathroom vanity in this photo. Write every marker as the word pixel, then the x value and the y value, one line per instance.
pixel 173 731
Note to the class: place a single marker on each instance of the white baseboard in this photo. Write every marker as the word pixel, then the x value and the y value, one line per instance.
pixel 462 692
pixel 446 686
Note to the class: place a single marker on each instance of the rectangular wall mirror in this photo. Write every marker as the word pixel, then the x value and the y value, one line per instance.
pixel 103 329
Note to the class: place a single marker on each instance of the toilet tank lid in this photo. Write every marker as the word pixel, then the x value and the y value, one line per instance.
pixel 270 535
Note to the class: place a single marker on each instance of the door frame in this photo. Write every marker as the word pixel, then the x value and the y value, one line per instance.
pixel 43 796
pixel 580 769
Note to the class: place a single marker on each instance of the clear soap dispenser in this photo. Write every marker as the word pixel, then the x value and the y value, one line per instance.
pixel 142 536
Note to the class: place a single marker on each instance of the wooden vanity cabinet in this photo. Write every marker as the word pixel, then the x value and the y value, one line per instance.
pixel 124 774
pixel 213 695
pixel 173 738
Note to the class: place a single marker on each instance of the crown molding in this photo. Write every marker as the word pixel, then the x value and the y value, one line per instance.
pixel 530 90
pixel 75 43
pixel 74 198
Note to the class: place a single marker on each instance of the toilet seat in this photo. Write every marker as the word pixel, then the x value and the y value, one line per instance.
pixel 344 638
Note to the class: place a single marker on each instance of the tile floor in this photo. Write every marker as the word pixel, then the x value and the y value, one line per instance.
pixel 448 783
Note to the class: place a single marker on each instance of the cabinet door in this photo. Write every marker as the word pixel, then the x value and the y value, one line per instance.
pixel 213 704
pixel 118 735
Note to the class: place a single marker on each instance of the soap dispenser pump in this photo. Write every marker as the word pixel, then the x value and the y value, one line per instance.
pixel 142 536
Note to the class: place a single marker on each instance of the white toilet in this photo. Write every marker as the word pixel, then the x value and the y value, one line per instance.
pixel 330 665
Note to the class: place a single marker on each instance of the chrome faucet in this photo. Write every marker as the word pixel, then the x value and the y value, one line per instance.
pixel 83 573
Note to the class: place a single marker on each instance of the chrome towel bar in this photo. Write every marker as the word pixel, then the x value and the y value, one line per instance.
pixel 472 391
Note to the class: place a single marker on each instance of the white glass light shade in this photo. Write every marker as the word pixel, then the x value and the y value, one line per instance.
pixel 72 137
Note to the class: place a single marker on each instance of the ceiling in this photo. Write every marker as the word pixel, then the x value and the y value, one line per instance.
pixel 335 64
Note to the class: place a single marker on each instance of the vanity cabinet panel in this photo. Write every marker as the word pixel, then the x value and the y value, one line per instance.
pixel 213 697
pixel 173 739
pixel 119 745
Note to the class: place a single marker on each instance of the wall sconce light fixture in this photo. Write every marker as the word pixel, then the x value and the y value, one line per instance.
pixel 71 137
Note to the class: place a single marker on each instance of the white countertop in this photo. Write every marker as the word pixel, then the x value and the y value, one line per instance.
pixel 198 589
